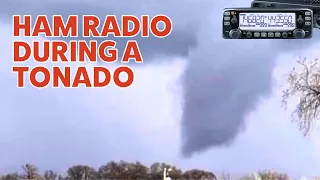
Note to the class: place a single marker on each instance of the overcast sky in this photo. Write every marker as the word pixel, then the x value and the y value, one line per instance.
pixel 57 128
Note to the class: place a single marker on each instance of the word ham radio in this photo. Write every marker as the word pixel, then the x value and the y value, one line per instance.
pixel 80 51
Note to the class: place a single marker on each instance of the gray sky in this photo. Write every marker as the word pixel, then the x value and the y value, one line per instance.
pixel 57 128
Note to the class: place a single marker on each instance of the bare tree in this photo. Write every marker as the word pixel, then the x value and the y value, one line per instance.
pixel 226 176
pixel 10 176
pixel 197 174
pixel 82 172
pixel 60 177
pixel 156 171
pixel 31 172
pixel 50 175
pixel 272 175
pixel 123 170
pixel 304 82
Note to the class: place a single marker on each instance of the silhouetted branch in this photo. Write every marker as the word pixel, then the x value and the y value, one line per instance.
pixel 304 82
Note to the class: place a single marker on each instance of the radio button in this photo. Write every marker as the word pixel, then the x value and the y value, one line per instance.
pixel 256 34
pixel 234 20
pixel 308 23
pixel 235 34
pixel 270 34
pixel 249 35
pixel 264 34
pixel 284 35
pixel 277 34
pixel 226 23
pixel 307 18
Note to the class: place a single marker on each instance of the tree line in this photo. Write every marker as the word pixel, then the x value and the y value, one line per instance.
pixel 111 170
pixel 129 170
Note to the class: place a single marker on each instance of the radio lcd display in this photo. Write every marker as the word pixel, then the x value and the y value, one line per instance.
pixel 267 21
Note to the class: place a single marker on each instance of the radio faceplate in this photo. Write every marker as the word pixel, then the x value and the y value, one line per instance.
pixel 273 23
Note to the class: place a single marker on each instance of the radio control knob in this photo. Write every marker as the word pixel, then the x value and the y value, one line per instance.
pixel 299 34
pixel 235 34
pixel 300 20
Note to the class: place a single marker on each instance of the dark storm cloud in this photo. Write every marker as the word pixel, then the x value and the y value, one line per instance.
pixel 224 80
pixel 219 98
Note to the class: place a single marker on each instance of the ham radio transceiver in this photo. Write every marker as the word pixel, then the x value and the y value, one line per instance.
pixel 267 23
